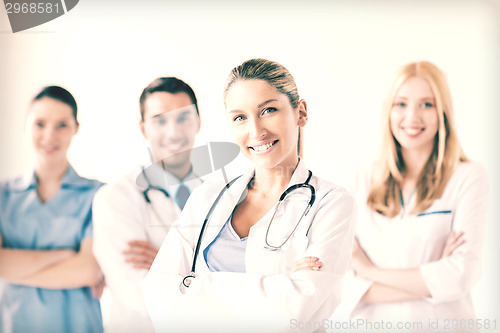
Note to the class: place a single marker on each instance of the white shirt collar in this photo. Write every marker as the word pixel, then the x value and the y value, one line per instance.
pixel 154 175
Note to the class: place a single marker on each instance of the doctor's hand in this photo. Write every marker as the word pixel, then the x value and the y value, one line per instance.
pixel 452 243
pixel 140 253
pixel 360 262
pixel 307 264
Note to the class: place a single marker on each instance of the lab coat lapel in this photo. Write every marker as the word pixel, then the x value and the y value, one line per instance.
pixel 224 208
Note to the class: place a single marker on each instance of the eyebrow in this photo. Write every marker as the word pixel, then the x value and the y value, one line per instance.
pixel 266 102
pixel 423 98
pixel 183 113
pixel 56 120
pixel 258 106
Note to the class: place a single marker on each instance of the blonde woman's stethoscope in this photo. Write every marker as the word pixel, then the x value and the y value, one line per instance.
pixel 186 281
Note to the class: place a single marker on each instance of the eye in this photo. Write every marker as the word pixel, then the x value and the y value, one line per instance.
pixel 400 104
pixel 427 105
pixel 62 125
pixel 160 121
pixel 39 124
pixel 268 110
pixel 183 117
pixel 239 118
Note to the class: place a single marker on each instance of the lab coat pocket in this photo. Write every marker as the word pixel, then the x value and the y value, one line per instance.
pixel 431 230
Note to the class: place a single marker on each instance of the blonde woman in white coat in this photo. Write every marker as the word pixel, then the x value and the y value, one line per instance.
pixel 250 276
pixel 422 213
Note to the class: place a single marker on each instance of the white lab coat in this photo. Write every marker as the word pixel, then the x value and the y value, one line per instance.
pixel 409 240
pixel 266 298
pixel 121 214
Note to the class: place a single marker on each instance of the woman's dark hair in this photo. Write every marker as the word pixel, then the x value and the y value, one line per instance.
pixel 171 85
pixel 60 94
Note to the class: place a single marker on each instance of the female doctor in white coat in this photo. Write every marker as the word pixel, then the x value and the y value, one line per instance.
pixel 257 269
pixel 422 213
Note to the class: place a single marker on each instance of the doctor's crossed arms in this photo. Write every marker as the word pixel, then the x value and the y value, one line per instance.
pixel 421 211
pixel 133 214
pixel 47 269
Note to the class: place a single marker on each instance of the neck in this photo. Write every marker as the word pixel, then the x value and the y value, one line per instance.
pixel 50 171
pixel 180 172
pixel 415 162
pixel 275 180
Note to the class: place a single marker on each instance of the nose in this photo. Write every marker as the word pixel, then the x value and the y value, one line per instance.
pixel 258 129
pixel 49 133
pixel 413 109
pixel 172 130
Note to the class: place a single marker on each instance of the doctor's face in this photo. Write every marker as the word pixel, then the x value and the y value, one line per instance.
pixel 264 123
pixel 52 128
pixel 170 125
pixel 413 118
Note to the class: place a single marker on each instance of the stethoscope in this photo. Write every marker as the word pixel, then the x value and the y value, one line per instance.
pixel 186 281
pixel 152 187
pixel 146 195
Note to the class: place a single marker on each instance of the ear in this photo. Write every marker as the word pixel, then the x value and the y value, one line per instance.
pixel 198 123
pixel 302 107
pixel 143 130
pixel 76 128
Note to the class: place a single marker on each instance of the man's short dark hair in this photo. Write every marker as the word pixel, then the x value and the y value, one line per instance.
pixel 171 85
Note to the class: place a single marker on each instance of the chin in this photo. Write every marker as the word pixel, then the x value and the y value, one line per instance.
pixel 176 161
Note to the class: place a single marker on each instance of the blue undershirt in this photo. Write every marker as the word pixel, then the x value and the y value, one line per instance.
pixel 226 253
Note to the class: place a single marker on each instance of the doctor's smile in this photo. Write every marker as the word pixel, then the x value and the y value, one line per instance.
pixel 263 147
pixel 412 131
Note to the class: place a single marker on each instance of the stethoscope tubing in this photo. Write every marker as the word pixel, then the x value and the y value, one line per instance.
pixel 186 281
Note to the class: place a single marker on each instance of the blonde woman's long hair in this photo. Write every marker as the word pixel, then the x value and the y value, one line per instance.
pixel 276 75
pixel 385 197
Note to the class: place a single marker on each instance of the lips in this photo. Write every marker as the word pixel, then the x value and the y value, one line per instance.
pixel 263 147
pixel 175 147
pixel 49 149
pixel 412 130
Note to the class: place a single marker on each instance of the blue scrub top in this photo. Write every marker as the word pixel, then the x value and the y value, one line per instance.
pixel 60 223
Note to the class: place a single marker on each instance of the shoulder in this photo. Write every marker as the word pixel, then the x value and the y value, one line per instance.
pixel 470 168
pixel 467 174
pixel 72 179
pixel 6 187
pixel 124 186
pixel 19 184
pixel 10 184
pixel 327 191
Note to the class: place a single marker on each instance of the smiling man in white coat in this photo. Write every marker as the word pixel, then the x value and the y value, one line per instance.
pixel 133 215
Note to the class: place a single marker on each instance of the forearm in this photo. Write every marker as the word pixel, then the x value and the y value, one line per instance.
pixel 379 293
pixel 407 280
pixel 75 272
pixel 18 264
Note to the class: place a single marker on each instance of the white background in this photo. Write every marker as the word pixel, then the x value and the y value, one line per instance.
pixel 342 54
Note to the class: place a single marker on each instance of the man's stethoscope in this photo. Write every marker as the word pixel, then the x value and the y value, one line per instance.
pixel 187 279
pixel 146 195
pixel 152 187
